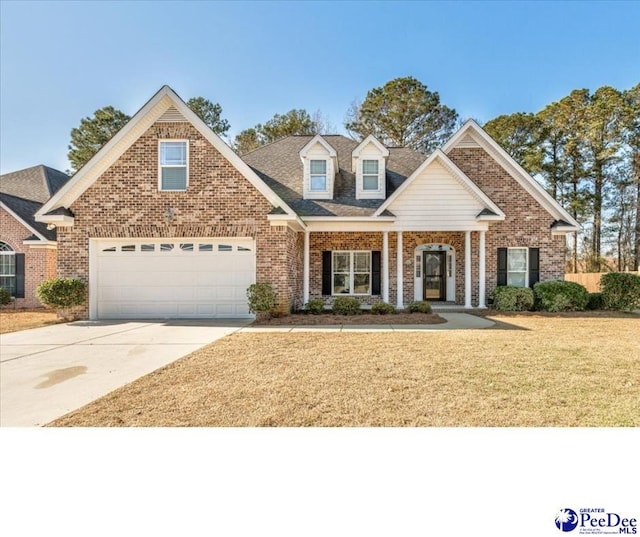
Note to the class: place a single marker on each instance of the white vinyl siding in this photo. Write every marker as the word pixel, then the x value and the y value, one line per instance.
pixel 435 200
pixel 174 164
pixel 351 273
pixel 517 267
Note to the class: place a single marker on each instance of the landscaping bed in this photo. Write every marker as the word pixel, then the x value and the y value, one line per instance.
pixel 364 318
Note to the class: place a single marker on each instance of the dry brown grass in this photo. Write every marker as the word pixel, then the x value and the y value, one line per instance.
pixel 531 370
pixel 15 320
pixel 364 318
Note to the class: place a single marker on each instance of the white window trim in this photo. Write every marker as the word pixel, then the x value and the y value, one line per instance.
pixel 351 271
pixel 526 271
pixel 11 252
pixel 326 176
pixel 380 167
pixel 160 165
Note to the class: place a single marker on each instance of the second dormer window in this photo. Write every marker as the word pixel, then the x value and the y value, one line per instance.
pixel 318 176
pixel 370 175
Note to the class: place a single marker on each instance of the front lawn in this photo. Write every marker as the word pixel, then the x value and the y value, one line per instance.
pixel 530 370
pixel 15 320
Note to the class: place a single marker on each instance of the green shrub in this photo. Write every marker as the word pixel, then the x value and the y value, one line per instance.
pixel 559 295
pixel 420 306
pixel 5 297
pixel 383 308
pixel 620 291
pixel 510 298
pixel 596 301
pixel 62 293
pixel 315 306
pixel 346 305
pixel 262 298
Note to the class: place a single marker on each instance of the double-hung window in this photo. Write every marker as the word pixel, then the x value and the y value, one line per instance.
pixel 370 175
pixel 174 164
pixel 318 175
pixel 7 268
pixel 517 267
pixel 351 273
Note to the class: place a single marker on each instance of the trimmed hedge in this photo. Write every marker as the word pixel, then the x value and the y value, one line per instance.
pixel 62 293
pixel 315 306
pixel 560 295
pixel 346 305
pixel 511 298
pixel 262 298
pixel 5 297
pixel 383 308
pixel 596 301
pixel 419 306
pixel 620 291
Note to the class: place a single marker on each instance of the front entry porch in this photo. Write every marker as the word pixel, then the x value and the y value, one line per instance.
pixel 403 266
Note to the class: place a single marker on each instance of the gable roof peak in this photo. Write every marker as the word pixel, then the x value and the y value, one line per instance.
pixel 371 139
pixel 318 139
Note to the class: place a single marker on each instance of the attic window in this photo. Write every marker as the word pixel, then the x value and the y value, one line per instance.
pixel 370 175
pixel 173 164
pixel 318 175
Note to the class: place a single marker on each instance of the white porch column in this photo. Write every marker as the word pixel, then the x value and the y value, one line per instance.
pixel 385 266
pixel 399 300
pixel 482 277
pixel 467 269
pixel 305 270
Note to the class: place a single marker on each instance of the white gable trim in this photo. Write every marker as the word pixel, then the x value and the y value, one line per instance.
pixel 154 109
pixel 373 140
pixel 318 139
pixel 456 172
pixel 512 168
pixel 24 223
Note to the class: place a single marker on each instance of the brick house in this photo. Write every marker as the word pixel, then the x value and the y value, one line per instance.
pixel 27 247
pixel 167 221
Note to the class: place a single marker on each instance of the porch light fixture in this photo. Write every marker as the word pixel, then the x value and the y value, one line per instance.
pixel 169 215
pixel 51 226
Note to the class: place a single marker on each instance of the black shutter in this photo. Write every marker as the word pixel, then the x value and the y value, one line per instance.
pixel 375 273
pixel 534 266
pixel 19 258
pixel 326 273
pixel 502 266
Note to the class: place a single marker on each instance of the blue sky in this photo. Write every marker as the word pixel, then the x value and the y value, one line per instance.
pixel 60 61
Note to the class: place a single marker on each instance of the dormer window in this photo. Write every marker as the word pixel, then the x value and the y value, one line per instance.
pixel 319 167
pixel 318 175
pixel 369 161
pixel 370 177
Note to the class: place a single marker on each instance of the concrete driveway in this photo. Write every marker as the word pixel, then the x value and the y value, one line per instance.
pixel 50 371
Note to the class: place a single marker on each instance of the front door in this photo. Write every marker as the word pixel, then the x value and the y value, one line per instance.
pixel 434 281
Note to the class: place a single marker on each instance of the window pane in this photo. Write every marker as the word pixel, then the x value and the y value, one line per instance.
pixel 205 247
pixel 340 262
pixel 517 259
pixel 8 283
pixel 129 248
pixel 361 261
pixel 147 247
pixel 243 249
pixel 361 284
pixel 318 167
pixel 318 182
pixel 341 284
pixel 370 182
pixel 166 247
pixel 225 248
pixel 7 265
pixel 173 153
pixel 174 178
pixel 112 249
pixel 370 167
pixel 516 278
pixel 187 247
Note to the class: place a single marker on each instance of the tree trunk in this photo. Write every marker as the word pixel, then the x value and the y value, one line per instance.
pixel 636 248
pixel 597 216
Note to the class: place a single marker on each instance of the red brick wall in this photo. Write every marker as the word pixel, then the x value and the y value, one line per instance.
pixel 219 202
pixel 527 223
pixel 39 263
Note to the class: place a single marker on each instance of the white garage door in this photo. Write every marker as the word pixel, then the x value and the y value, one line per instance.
pixel 171 278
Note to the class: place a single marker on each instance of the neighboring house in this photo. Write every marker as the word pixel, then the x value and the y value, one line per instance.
pixel 27 247
pixel 167 221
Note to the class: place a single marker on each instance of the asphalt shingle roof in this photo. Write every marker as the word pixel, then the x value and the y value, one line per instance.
pixel 25 191
pixel 279 166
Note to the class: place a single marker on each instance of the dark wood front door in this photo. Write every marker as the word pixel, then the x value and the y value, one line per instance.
pixel 434 275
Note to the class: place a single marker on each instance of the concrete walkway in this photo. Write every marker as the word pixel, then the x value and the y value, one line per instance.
pixel 50 371
pixel 455 321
